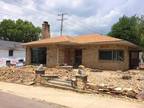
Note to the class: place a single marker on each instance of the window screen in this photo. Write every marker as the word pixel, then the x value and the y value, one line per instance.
pixel 117 55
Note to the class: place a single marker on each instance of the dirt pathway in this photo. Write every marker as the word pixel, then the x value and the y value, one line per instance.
pixel 67 98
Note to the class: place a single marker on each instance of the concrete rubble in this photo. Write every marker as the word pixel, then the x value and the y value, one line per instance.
pixel 140 95
pixel 110 89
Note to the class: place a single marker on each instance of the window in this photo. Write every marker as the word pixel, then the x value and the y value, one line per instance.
pixel 8 63
pixel 105 55
pixel 117 55
pixel 10 52
pixel 38 55
pixel 21 60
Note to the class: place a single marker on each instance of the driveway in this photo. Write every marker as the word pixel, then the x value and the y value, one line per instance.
pixel 67 98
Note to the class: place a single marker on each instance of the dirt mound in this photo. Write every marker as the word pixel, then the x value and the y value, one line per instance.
pixel 26 74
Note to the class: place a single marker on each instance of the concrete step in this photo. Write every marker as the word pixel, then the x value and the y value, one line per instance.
pixel 60 82
pixel 49 77
pixel 49 84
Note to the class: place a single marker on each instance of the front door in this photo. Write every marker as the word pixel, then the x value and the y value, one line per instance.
pixel 78 57
pixel 134 59
pixel 67 56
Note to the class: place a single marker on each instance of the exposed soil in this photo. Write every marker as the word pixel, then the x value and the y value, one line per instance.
pixel 26 74
pixel 135 78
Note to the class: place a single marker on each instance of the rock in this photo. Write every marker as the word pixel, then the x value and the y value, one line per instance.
pixel 126 77
pixel 103 87
pixel 96 70
pixel 140 95
pixel 29 83
pixel 91 86
pixel 103 90
pixel 117 90
pixel 140 78
pixel 129 92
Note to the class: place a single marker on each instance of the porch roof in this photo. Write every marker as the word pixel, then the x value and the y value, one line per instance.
pixel 81 40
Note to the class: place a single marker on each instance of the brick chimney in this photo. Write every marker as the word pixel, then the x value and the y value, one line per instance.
pixel 45 30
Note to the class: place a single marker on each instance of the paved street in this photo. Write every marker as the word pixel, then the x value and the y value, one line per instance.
pixel 12 101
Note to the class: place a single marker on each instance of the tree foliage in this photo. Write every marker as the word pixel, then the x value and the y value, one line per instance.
pixel 19 30
pixel 130 29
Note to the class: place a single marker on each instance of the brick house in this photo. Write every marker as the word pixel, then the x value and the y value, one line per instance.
pixel 92 50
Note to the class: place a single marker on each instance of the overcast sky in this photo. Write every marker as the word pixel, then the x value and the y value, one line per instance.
pixel 83 16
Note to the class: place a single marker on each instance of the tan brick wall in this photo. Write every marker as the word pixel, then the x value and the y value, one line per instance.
pixel 52 56
pixel 91 58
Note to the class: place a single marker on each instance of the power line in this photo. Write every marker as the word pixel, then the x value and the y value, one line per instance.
pixel 61 20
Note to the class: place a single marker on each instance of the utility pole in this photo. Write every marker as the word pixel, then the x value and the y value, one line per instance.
pixel 61 20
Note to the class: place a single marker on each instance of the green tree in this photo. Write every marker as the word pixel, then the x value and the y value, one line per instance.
pixel 130 29
pixel 141 30
pixel 19 30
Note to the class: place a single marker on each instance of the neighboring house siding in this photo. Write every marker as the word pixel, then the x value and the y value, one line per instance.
pixel 17 55
pixel 91 58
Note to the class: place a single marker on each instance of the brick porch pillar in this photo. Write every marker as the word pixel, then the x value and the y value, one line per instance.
pixel 81 81
pixel 28 55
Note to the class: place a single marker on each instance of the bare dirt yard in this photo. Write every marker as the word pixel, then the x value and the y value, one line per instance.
pixel 133 79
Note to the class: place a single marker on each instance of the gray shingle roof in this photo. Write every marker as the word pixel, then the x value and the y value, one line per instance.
pixel 10 45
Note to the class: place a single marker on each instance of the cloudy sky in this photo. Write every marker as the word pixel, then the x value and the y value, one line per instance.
pixel 82 16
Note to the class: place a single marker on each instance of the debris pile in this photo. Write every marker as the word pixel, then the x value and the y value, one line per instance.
pixel 128 79
pixel 128 83
pixel 26 74
pixel 111 89
pixel 16 75
pixel 62 73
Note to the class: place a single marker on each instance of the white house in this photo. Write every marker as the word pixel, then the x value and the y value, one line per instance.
pixel 11 52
